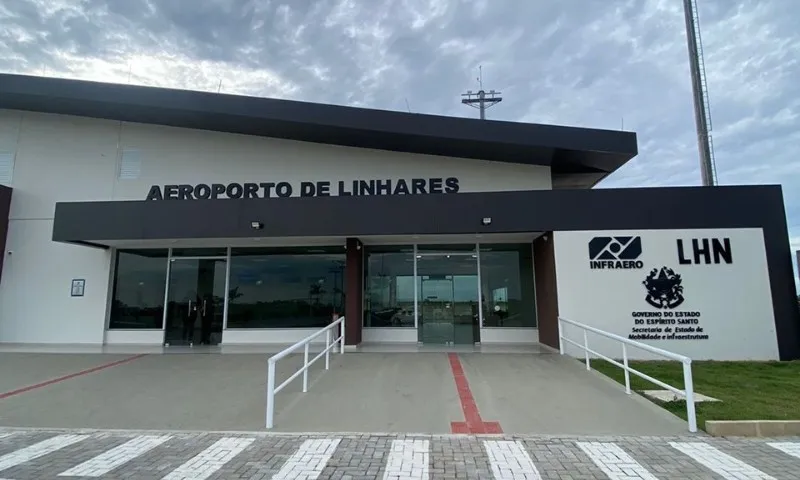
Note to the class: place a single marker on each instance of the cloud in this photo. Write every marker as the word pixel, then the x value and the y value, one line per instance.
pixel 608 64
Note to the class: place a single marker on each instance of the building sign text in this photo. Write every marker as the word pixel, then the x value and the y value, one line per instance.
pixel 202 191
pixel 667 326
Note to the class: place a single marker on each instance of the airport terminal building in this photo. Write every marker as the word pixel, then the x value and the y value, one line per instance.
pixel 148 216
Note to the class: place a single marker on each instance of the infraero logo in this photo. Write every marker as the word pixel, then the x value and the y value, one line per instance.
pixel 615 253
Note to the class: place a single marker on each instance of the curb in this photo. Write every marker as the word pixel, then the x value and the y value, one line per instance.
pixel 753 428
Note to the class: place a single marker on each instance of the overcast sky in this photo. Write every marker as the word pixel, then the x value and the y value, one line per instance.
pixel 598 63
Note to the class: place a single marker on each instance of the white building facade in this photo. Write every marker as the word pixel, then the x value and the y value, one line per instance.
pixel 147 222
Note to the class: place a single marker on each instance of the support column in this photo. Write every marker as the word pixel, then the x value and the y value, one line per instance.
pixel 544 265
pixel 354 291
pixel 5 207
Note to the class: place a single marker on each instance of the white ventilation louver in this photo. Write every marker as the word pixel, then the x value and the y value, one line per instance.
pixel 6 167
pixel 130 165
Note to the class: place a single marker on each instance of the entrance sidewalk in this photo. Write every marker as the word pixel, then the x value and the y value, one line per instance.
pixel 362 392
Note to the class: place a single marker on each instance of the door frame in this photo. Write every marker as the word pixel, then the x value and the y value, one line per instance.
pixel 450 301
pixel 476 254
pixel 170 259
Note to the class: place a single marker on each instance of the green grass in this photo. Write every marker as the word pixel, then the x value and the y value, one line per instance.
pixel 748 390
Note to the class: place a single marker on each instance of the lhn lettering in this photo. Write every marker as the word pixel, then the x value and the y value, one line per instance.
pixel 706 251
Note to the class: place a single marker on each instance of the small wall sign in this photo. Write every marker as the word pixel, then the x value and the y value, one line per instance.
pixel 78 287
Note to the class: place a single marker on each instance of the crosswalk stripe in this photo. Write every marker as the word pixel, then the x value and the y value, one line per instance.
pixel 614 461
pixel 309 460
pixel 719 461
pixel 111 459
pixel 408 459
pixel 791 448
pixel 38 449
pixel 205 463
pixel 510 461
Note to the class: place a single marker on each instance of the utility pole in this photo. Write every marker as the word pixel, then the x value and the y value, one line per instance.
pixel 482 99
pixel 702 109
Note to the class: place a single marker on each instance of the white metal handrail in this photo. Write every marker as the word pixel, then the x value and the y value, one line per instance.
pixel 272 389
pixel 688 384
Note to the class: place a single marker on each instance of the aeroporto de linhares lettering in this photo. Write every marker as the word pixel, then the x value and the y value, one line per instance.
pixel 202 191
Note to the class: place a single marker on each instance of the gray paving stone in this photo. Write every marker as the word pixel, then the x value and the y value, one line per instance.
pixel 364 456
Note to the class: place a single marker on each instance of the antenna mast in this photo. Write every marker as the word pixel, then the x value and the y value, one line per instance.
pixel 702 109
pixel 482 99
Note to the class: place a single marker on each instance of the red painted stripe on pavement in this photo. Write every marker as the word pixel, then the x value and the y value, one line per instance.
pixel 474 423
pixel 71 375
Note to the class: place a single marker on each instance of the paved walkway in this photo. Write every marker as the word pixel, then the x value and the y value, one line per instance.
pixel 425 392
pixel 50 454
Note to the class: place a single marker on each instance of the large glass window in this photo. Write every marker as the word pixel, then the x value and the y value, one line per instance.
pixel 285 287
pixel 507 286
pixel 138 298
pixel 389 286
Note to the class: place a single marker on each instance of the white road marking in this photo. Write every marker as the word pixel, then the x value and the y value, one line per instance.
pixel 720 462
pixel 791 448
pixel 205 463
pixel 309 460
pixel 38 449
pixel 510 461
pixel 615 462
pixel 409 460
pixel 111 459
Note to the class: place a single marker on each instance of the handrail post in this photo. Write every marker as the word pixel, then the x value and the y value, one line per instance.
pixel 688 385
pixel 270 393
pixel 586 349
pixel 305 366
pixel 627 372
pixel 344 319
pixel 327 351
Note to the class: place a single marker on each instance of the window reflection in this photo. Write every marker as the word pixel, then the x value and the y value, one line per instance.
pixel 138 298
pixel 389 286
pixel 285 288
pixel 507 286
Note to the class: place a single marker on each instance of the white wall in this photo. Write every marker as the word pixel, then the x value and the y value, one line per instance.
pixel 65 158
pixel 35 301
pixel 733 300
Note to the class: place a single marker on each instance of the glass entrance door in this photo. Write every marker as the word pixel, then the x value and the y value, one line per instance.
pixel 195 301
pixel 447 299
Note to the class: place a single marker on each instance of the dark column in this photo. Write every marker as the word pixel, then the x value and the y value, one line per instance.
pixel 354 274
pixel 544 265
pixel 5 206
pixel 527 278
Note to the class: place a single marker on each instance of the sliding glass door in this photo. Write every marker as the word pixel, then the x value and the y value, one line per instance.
pixel 195 301
pixel 448 306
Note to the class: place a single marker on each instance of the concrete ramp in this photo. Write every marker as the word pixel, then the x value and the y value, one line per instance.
pixel 424 393
pixel 375 392
pixel 421 392
pixel 554 394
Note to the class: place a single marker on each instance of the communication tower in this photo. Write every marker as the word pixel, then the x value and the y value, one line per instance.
pixel 481 99
pixel 702 108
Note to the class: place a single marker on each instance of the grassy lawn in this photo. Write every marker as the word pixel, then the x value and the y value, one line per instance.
pixel 748 390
